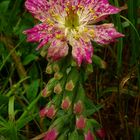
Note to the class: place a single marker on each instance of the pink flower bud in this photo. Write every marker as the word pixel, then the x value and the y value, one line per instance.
pixel 80 122
pixel 43 112
pixel 89 136
pixel 51 134
pixel 66 103
pixel 100 133
pixel 45 92
pixel 78 107
pixel 51 112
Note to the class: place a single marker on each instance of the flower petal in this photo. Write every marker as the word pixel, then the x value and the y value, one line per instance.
pixel 82 51
pixel 106 33
pixel 51 134
pixel 102 9
pixel 38 8
pixel 89 136
pixel 57 49
pixel 39 33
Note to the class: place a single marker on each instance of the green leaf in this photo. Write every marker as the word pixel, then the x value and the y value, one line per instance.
pixel 11 109
pixel 20 124
pixel 33 90
pixel 98 61
pixel 4 6
pixel 74 135
pixel 29 58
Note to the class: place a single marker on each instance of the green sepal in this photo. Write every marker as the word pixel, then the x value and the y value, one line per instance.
pixel 98 61
pixel 60 84
pixel 49 68
pixel 74 135
pixel 50 85
pixel 72 79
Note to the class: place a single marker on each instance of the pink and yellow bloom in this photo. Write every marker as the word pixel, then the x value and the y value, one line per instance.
pixel 68 24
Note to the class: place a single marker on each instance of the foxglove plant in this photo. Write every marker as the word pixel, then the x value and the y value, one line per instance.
pixel 65 33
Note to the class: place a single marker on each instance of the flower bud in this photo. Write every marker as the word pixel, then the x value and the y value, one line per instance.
pixel 45 92
pixel 51 134
pixel 58 89
pixel 51 111
pixel 89 136
pixel 69 85
pixel 66 103
pixel 78 107
pixel 72 79
pixel 100 133
pixel 49 69
pixel 43 112
pixel 56 67
pixel 60 86
pixel 80 122
pixel 49 87
pixel 58 75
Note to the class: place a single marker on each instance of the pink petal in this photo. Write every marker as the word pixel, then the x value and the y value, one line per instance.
pixel 51 111
pixel 57 49
pixel 89 136
pixel 80 122
pixel 43 112
pixel 38 8
pixel 78 107
pixel 39 33
pixel 51 134
pixel 102 9
pixel 106 33
pixel 65 103
pixel 82 51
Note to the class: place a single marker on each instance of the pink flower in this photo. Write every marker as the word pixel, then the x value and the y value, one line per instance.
pixel 80 122
pixel 67 24
pixel 51 134
pixel 89 136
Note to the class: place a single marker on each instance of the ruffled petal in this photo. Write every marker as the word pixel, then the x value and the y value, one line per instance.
pixel 57 49
pixel 82 52
pixel 106 33
pixel 38 8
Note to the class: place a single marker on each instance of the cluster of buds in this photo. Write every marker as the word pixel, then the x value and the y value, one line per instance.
pixel 48 111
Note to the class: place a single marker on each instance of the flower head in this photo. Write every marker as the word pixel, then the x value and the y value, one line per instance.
pixel 72 24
